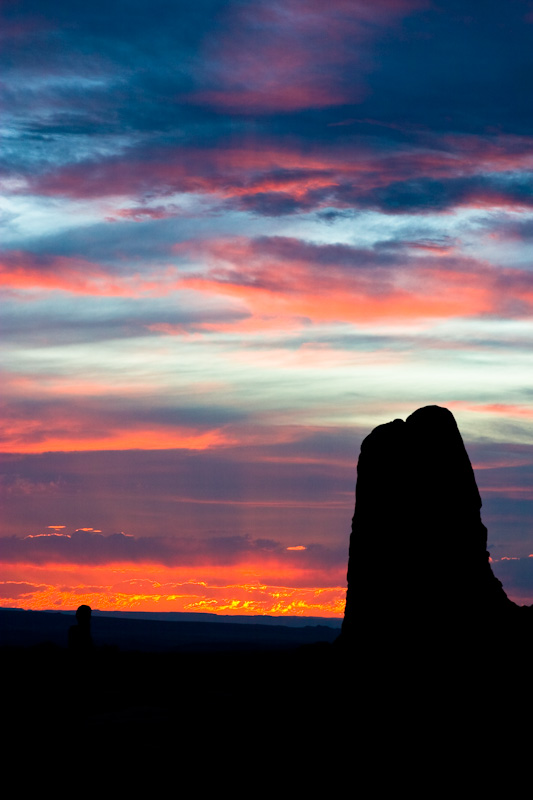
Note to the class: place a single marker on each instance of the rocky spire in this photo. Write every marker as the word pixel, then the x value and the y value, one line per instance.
pixel 418 561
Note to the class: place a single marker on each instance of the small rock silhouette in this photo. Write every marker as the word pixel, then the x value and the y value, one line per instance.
pixel 79 636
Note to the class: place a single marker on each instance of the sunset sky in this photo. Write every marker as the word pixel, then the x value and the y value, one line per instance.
pixel 236 235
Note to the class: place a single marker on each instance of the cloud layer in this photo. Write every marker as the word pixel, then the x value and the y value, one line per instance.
pixel 236 236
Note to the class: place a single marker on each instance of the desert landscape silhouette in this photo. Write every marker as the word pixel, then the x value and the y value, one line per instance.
pixel 422 635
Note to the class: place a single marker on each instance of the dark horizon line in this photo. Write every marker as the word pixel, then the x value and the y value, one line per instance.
pixel 250 619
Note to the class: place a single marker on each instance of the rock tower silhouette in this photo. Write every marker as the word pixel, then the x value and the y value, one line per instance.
pixel 418 562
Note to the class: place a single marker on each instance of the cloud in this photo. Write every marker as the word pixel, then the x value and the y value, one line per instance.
pixel 85 121
pixel 278 178
pixel 18 589
pixel 106 424
pixel 427 195
pixel 43 319
pixel 263 58
pixel 435 188
pixel 299 483
pixel 286 277
pixel 30 271
pixel 90 548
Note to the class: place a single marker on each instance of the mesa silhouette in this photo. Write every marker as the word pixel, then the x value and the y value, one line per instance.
pixel 419 569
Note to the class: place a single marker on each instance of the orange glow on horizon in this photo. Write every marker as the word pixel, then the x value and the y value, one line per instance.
pixel 240 589
pixel 269 602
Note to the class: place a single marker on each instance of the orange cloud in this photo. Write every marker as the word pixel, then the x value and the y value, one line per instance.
pixel 39 436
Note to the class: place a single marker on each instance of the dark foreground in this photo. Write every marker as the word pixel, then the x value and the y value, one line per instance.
pixel 190 680
pixel 168 635
pixel 309 718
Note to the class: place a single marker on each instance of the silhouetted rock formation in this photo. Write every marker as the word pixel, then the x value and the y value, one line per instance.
pixel 418 564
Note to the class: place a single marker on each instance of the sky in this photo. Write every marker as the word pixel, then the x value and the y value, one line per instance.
pixel 236 235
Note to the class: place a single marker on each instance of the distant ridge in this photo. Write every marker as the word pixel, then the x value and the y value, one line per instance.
pixel 171 634
pixel 189 616
pixel 245 619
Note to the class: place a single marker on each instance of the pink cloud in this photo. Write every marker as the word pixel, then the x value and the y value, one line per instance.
pixel 28 271
pixel 287 278
pixel 497 409
pixel 280 98
pixel 348 173
pixel 264 58
pixel 78 433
